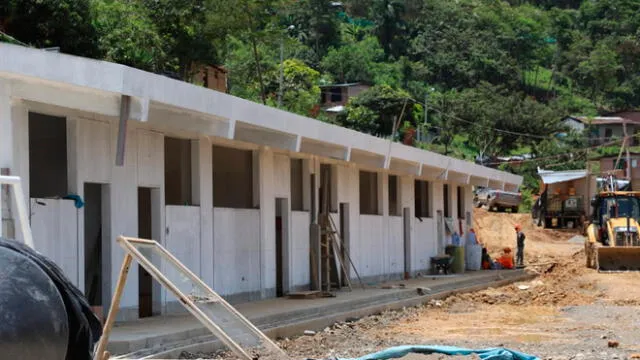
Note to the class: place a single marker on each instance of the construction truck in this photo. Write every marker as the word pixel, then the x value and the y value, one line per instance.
pixel 612 242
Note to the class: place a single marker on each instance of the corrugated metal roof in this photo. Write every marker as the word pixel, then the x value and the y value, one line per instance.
pixel 553 177
pixel 600 120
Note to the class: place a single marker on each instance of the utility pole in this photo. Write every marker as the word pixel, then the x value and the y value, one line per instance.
pixel 422 134
pixel 280 90
pixel 281 71
pixel 426 114
pixel 626 146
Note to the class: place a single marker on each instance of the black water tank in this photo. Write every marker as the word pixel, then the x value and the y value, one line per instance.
pixel 33 319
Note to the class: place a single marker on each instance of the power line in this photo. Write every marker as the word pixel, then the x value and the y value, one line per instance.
pixel 576 151
pixel 454 117
pixel 473 123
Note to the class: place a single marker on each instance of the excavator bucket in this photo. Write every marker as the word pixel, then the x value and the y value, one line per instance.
pixel 618 258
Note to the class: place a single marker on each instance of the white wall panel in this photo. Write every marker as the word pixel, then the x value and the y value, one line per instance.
pixel 237 250
pixel 54 224
pixel 425 243
pixel 93 151
pixel 150 158
pixel 183 240
pixel 282 176
pixel 371 257
pixel 300 248
pixel 394 244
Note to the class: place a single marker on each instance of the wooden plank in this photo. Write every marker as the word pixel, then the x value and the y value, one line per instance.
pixel 100 353
pixel 305 295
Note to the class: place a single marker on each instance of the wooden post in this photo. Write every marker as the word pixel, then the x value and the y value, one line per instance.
pixel 100 353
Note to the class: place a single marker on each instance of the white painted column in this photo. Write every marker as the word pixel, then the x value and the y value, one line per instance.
pixel 202 186
pixel 267 223
pixel 383 201
pixel 6 127
pixel 6 156
pixel 123 217
pixel 407 200
pixel 14 156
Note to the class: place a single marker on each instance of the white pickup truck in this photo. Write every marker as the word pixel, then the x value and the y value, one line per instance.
pixel 498 200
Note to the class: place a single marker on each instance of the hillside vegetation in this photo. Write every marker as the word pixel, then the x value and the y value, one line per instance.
pixel 497 76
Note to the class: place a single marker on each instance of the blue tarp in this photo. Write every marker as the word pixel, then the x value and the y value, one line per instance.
pixel 486 354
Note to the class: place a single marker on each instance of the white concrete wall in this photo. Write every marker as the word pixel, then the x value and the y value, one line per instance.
pixel 300 266
pixel 232 249
pixel 237 251
pixel 425 243
pixel 183 241
pixel 394 246
pixel 369 256
pixel 54 224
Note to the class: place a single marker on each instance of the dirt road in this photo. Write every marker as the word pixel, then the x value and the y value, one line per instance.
pixel 568 312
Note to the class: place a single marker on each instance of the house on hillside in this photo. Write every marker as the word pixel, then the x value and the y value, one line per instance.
pixel 212 77
pixel 629 171
pixel 232 188
pixel 602 129
pixel 333 98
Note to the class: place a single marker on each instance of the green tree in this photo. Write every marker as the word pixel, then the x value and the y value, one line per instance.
pixel 599 72
pixel 183 26
pixel 316 25
pixel 300 90
pixel 127 35
pixel 354 62
pixel 375 110
pixel 50 23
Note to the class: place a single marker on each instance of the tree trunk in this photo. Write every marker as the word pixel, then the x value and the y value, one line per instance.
pixel 256 54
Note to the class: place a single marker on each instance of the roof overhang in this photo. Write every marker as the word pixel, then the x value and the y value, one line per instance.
pixel 38 77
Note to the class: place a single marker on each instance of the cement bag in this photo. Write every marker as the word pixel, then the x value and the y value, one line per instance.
pixel 473 257
pixel 39 305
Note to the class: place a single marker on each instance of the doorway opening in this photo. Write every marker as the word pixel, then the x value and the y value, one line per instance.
pixel 282 246
pixel 327 184
pixel 344 237
pixel 48 166
pixel 406 222
pixel 440 225
pixel 145 231
pixel 96 249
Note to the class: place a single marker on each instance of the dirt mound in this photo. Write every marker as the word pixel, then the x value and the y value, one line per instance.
pixel 559 284
pixel 496 231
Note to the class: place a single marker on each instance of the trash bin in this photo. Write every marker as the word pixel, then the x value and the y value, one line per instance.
pixel 473 257
pixel 458 260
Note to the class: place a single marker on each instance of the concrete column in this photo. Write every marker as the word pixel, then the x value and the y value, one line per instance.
pixel 6 127
pixel 202 185
pixel 123 217
pixel 14 156
pixel 267 224
pixel 383 202
pixel 407 200
pixel 6 158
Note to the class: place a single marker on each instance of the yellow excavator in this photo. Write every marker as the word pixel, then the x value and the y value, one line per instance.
pixel 613 242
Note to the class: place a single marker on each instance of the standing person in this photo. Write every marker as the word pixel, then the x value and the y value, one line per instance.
pixel 520 242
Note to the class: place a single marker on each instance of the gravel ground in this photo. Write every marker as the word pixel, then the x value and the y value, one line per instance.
pixel 568 312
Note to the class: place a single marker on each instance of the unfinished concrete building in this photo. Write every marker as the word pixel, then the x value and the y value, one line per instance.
pixel 229 186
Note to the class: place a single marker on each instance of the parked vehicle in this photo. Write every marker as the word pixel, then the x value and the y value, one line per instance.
pixel 558 210
pixel 498 200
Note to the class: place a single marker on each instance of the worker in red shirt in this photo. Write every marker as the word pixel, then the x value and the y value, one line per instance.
pixel 506 260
